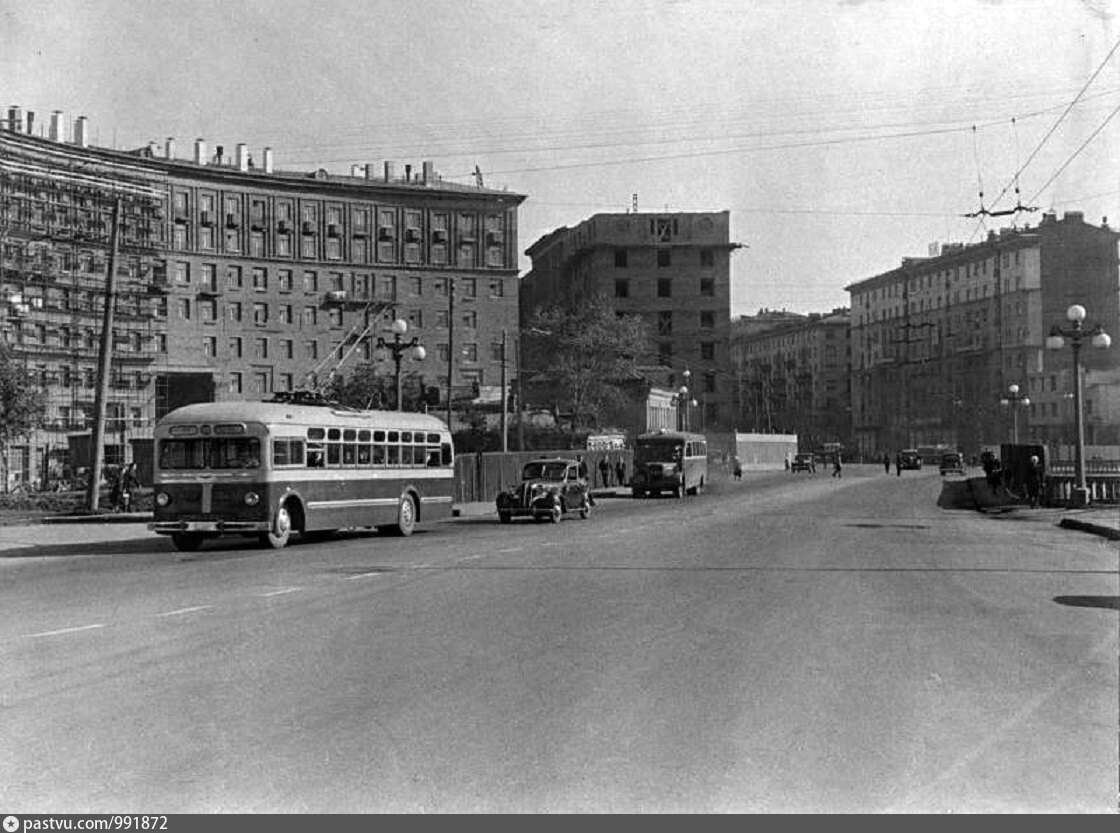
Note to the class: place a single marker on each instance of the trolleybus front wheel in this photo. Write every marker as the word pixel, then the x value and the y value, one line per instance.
pixel 281 531
pixel 406 519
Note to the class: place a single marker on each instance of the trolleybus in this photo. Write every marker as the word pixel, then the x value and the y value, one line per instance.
pixel 270 469
pixel 669 461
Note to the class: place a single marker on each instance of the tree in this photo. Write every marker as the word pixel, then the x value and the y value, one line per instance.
pixel 588 353
pixel 23 404
pixel 373 385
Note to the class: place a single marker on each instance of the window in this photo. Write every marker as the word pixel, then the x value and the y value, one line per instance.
pixel 235 383
pixel 707 258
pixel 286 383
pixel 664 287
pixel 708 287
pixel 470 288
pixel 208 310
pixel 260 279
pixel 310 282
pixel 182 272
pixel 620 258
pixel 311 349
pixel 707 319
pixel 665 322
pixel 470 319
pixel 709 381
pixel 387 287
pixel 260 348
pixel 284 245
pixel 285 313
pixel 185 309
pixel 470 352
pixel 260 314
pixel 235 351
pixel 256 244
pixel 310 316
pixel 334 315
pixel 622 288
pixel 708 350
pixel 441 319
pixel 441 352
pixel 210 347
pixel 287 349
pixel 497 288
pixel 336 282
pixel 233 277
pixel 665 353
pixel 334 248
pixel 496 351
pixel 209 277
pixel 161 342
pixel 233 310
pixel 664 258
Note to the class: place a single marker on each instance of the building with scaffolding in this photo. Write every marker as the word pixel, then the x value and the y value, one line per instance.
pixel 233 280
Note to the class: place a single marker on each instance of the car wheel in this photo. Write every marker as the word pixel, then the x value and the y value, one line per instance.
pixel 585 510
pixel 555 514
pixel 277 537
pixel 186 541
pixel 504 517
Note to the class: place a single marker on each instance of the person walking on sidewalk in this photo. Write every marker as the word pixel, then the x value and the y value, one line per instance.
pixel 886 463
pixel 837 469
pixel 1034 481
pixel 620 472
pixel 604 472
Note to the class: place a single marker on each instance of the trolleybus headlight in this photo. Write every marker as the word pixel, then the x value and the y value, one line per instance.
pixel 252 498
pixel 162 499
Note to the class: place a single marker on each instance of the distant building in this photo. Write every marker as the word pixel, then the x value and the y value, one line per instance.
pixel 937 342
pixel 793 375
pixel 235 279
pixel 673 268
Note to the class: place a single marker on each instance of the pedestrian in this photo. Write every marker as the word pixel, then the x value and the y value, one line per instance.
pixel 738 468
pixel 1034 481
pixel 582 466
pixel 836 467
pixel 116 481
pixel 604 472
pixel 620 472
pixel 886 463
pixel 898 464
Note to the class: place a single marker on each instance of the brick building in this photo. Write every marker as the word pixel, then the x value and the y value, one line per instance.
pixel 235 279
pixel 673 269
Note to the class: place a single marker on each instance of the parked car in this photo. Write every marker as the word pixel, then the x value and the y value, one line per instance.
pixel 803 462
pixel 952 462
pixel 549 489
pixel 911 459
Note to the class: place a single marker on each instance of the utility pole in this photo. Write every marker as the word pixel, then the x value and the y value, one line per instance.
pixel 450 345
pixel 97 450
pixel 520 394
pixel 505 398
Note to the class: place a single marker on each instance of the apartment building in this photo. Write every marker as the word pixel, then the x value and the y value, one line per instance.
pixel 674 269
pixel 235 279
pixel 793 374
pixel 937 342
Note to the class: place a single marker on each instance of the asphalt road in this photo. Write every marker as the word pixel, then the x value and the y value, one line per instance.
pixel 782 644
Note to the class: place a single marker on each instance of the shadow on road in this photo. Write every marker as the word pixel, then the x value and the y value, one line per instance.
pixel 1106 602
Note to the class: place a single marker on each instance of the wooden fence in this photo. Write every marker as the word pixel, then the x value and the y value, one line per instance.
pixel 479 477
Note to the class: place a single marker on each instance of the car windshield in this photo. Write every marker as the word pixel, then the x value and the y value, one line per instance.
pixel 552 470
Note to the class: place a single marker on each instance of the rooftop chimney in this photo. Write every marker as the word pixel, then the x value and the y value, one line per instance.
pixel 429 173
pixel 268 160
pixel 408 173
pixel 390 171
pixel 58 126
pixel 15 119
pixel 30 122
pixel 169 147
pixel 242 156
pixel 81 132
pixel 371 170
pixel 200 151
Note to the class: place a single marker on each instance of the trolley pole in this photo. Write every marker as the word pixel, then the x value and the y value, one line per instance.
pixel 505 398
pixel 450 346
pixel 104 369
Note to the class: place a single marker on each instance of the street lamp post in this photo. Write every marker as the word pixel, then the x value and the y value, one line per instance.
pixel 1015 400
pixel 398 347
pixel 1097 337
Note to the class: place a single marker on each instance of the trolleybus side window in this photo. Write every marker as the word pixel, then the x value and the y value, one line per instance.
pixel 393 457
pixel 286 452
pixel 315 452
pixel 379 448
pixel 349 446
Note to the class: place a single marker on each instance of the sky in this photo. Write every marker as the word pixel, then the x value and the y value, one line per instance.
pixel 841 135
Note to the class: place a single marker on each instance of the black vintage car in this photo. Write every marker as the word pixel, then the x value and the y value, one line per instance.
pixel 549 489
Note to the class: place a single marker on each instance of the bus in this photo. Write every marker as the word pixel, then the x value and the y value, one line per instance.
pixel 669 461
pixel 271 469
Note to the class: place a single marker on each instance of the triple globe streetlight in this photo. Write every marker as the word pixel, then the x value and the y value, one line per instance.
pixel 397 348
